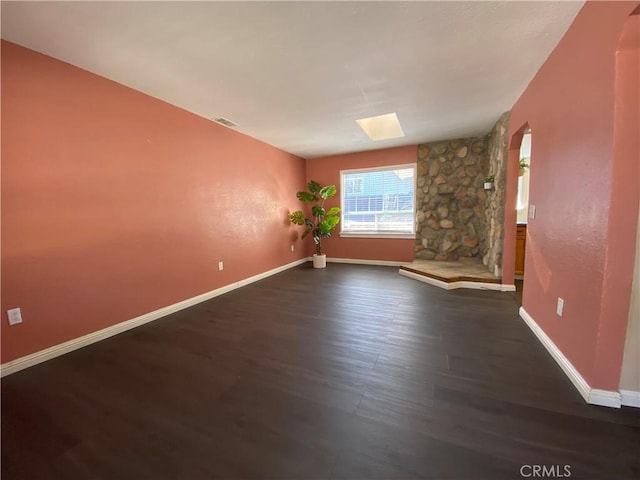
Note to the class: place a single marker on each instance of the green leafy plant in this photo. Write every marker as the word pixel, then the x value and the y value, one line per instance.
pixel 322 222
pixel 523 163
pixel 489 179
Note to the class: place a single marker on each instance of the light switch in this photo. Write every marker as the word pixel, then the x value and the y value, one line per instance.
pixel 532 211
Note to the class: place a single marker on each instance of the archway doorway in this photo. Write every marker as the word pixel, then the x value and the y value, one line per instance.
pixel 522 204
pixel 516 214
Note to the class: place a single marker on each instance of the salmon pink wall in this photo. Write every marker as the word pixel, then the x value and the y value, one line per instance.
pixel 115 204
pixel 326 170
pixel 584 184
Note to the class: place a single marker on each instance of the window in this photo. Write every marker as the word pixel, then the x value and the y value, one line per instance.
pixel 353 185
pixel 520 202
pixel 378 202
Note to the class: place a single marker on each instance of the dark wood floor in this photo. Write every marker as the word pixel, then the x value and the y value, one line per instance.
pixel 353 372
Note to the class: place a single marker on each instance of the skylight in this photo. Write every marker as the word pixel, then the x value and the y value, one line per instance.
pixel 382 127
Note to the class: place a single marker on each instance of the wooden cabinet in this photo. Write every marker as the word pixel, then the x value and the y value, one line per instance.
pixel 521 241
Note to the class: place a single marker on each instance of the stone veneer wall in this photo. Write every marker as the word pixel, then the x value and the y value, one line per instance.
pixel 450 199
pixel 495 201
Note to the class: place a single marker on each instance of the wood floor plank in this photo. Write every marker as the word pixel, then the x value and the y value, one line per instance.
pixel 353 372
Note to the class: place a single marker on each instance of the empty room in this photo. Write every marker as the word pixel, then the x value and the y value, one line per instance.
pixel 320 240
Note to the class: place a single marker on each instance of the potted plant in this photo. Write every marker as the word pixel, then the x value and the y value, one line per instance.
pixel 523 166
pixel 322 222
pixel 488 182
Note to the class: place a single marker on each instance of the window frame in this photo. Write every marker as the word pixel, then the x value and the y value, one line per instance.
pixel 371 234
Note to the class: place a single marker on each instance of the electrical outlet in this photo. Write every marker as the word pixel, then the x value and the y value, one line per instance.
pixel 560 307
pixel 220 266
pixel 532 211
pixel 15 316
pixel 293 247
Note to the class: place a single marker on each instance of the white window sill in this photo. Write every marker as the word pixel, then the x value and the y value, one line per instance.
pixel 407 236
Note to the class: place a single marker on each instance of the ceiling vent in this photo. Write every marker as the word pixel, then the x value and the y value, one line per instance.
pixel 225 122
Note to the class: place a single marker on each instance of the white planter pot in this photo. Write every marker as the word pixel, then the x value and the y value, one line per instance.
pixel 319 261
pixel 488 185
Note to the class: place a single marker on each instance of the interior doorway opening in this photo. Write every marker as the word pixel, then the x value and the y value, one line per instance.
pixel 522 202
pixel 517 213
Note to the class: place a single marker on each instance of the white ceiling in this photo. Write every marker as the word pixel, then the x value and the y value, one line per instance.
pixel 298 74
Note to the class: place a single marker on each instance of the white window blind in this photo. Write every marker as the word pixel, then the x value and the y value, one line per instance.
pixel 378 201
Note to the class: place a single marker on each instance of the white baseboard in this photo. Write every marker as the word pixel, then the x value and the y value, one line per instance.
pixel 460 284
pixel 358 261
pixel 66 347
pixel 595 396
pixel 630 398
pixel 604 398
